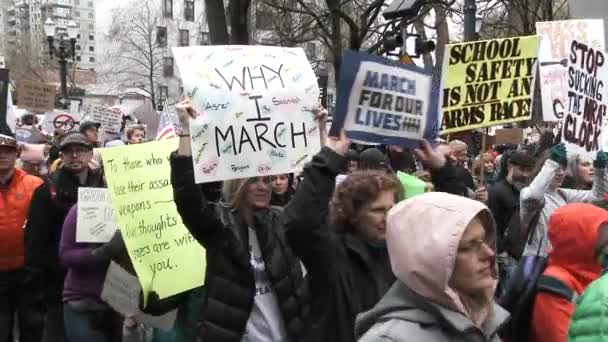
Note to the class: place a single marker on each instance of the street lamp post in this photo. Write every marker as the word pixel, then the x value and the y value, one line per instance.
pixel 63 49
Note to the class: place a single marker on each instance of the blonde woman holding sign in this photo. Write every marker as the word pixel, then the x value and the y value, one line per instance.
pixel 254 287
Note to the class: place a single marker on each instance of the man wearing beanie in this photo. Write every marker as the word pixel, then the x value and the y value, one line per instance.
pixel 50 205
pixel 16 296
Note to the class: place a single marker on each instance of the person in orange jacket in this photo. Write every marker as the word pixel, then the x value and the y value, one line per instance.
pixel 17 294
pixel 573 232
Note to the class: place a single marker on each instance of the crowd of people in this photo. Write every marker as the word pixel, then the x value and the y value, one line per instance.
pixel 339 252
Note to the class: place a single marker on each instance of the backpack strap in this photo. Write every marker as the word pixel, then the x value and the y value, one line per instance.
pixel 556 287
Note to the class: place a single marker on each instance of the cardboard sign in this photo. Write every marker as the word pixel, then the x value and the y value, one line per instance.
pixel 96 221
pixel 556 37
pixel 509 136
pixel 256 107
pixel 382 101
pixel 65 121
pixel 487 83
pixel 122 292
pixel 167 259
pixel 584 117
pixel 35 96
pixel 110 119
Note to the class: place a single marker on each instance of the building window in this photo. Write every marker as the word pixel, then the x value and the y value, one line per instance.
pixel 168 8
pixel 78 36
pixel 91 37
pixel 203 39
pixel 184 38
pixel 91 59
pixel 163 93
pixel 77 47
pixel 91 27
pixel 167 66
pixel 77 14
pixel 78 58
pixel 91 48
pixel 263 20
pixel 91 4
pixel 189 10
pixel 91 16
pixel 161 36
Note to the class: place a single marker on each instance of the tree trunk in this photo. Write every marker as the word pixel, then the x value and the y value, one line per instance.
pixel 336 37
pixel 239 25
pixel 216 17
pixel 443 38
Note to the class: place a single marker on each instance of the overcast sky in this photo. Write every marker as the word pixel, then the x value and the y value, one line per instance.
pixel 102 10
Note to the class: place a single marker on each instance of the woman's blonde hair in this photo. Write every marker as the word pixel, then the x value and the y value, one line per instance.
pixel 233 191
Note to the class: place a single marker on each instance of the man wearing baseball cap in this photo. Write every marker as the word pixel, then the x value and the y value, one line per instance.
pixel 18 296
pixel 50 204
pixel 91 131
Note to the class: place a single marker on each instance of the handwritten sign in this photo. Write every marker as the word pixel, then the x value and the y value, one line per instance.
pixel 96 219
pixel 109 119
pixel 556 37
pixel 53 121
pixel 380 101
pixel 35 96
pixel 487 83
pixel 167 259
pixel 122 292
pixel 583 121
pixel 256 109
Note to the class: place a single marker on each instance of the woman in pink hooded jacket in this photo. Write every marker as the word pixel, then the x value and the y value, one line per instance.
pixel 442 250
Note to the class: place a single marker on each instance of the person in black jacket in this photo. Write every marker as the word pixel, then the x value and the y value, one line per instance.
pixel 50 204
pixel 254 286
pixel 342 243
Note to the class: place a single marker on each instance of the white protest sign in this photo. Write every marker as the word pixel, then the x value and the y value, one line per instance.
pixel 96 222
pixel 110 119
pixel 584 119
pixel 556 37
pixel 256 109
pixel 383 103
pixel 122 292
pixel 53 121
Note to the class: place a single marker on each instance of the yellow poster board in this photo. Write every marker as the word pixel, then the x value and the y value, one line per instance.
pixel 487 83
pixel 167 259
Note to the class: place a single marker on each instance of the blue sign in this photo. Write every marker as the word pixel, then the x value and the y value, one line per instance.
pixel 381 101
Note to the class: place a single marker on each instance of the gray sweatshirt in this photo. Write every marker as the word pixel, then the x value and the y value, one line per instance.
pixel 540 190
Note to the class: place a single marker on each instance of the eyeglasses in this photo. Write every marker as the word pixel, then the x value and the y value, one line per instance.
pixel 76 151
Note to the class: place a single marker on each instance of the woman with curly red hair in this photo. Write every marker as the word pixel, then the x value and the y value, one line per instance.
pixel 339 235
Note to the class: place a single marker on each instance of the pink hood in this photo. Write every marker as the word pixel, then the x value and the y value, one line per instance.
pixel 423 234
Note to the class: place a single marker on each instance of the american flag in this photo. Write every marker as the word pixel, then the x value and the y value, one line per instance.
pixel 166 130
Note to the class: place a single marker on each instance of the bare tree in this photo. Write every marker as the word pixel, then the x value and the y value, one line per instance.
pixel 27 59
pixel 135 58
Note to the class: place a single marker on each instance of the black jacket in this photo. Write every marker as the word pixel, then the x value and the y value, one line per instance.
pixel 503 201
pixel 229 281
pixel 347 275
pixel 50 204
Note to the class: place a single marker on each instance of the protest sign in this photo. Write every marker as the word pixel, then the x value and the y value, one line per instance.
pixel 53 121
pixel 582 125
pixel 109 119
pixel 509 136
pixel 488 83
pixel 256 105
pixel 96 221
pixel 556 37
pixel 167 259
pixel 35 96
pixel 383 101
pixel 122 292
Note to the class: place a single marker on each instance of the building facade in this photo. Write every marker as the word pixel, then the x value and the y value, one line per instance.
pixel 24 19
pixel 180 23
